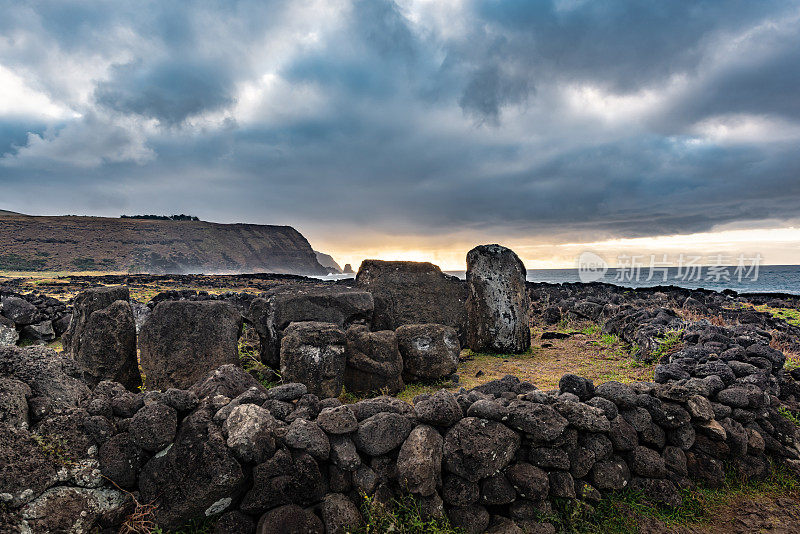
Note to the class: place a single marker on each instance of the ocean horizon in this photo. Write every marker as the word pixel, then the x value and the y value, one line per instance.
pixel 768 278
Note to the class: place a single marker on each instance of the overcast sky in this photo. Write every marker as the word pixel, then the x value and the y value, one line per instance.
pixel 414 128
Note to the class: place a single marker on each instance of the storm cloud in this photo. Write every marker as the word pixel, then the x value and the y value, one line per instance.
pixel 415 117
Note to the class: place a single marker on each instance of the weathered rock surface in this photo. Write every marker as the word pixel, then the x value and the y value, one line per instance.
pixel 55 381
pixel 272 315
pixel 408 292
pixel 313 353
pixel 429 351
pixel 183 340
pixel 373 361
pixel 197 474
pixel 102 336
pixel 497 302
pixel 419 462
pixel 476 448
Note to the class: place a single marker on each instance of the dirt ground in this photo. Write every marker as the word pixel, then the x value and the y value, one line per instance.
pixel 773 515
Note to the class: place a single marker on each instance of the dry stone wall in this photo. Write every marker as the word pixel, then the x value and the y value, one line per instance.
pixel 496 455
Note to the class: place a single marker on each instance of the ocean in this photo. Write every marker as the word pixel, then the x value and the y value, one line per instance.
pixel 767 278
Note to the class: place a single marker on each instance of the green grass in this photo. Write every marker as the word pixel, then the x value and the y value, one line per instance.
pixel 620 513
pixel 250 359
pixel 400 516
pixel 668 343
pixel 788 415
pixel 789 315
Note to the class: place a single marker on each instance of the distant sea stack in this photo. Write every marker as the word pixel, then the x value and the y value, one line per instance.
pixel 70 243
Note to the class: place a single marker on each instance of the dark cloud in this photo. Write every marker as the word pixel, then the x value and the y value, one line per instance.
pixel 167 91
pixel 386 117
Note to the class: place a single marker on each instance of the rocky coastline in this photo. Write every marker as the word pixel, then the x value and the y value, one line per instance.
pixel 148 418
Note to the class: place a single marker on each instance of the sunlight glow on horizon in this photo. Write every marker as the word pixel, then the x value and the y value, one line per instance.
pixel 777 246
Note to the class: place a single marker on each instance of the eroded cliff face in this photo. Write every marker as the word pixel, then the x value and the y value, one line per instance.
pixel 132 245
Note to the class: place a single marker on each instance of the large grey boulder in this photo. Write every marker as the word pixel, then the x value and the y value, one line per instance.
pixel 312 353
pixel 497 303
pixel 430 351
pixel 196 476
pixel 102 336
pixel 419 462
pixel 54 380
pixel 270 316
pixel 477 448
pixel 74 510
pixel 373 361
pixel 409 292
pixel 18 310
pixel 183 340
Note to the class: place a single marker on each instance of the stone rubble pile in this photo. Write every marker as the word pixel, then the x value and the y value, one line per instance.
pixel 32 317
pixel 85 449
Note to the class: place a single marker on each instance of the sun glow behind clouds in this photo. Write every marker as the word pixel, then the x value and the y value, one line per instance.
pixel 776 246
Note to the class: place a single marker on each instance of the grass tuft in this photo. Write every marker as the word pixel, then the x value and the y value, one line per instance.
pixel 401 516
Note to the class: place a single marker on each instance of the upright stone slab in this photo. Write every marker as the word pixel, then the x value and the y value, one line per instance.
pixel 102 336
pixel 183 340
pixel 313 353
pixel 497 302
pixel 410 292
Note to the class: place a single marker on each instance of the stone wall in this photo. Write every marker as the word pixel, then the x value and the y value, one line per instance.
pixel 494 455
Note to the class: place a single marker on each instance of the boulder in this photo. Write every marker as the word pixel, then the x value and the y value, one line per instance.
pixel 102 336
pixel 419 462
pixel 382 433
pixel 234 522
pixel 54 380
pixel 408 292
pixel 530 482
pixel 476 448
pixel 497 302
pixel 308 436
pixel 430 351
pixel 250 431
pixel 337 420
pixel 183 340
pixel 107 347
pixel 154 426
pixel 289 519
pixel 85 304
pixel 228 380
pixel 313 353
pixel 339 514
pixel 286 478
pixel 14 403
pixel 197 475
pixel 373 361
pixel 27 470
pixel 439 409
pixel 120 460
pixel 68 509
pixel 39 332
pixel 270 316
pixel 18 310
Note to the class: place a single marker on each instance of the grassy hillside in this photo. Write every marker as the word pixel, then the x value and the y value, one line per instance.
pixel 72 243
